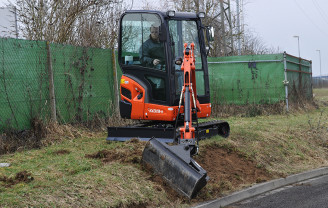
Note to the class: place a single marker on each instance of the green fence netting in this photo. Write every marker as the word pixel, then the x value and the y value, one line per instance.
pixel 23 82
pixel 83 82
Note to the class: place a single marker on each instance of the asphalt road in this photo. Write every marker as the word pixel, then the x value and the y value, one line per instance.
pixel 308 194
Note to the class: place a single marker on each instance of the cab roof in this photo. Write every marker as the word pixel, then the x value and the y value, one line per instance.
pixel 178 15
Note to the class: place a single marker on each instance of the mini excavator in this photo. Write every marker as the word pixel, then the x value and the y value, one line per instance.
pixel 162 56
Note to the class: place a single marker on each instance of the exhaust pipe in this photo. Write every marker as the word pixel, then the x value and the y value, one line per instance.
pixel 175 166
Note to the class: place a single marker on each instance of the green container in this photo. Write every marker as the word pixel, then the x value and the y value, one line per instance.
pixel 259 79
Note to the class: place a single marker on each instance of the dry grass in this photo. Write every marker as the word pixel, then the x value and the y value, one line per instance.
pixel 250 110
pixel 321 96
pixel 47 133
pixel 253 110
pixel 65 177
pixel 283 144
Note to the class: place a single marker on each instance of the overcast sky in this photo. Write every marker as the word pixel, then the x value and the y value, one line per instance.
pixel 277 21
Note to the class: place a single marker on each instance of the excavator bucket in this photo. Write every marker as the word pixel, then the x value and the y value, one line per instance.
pixel 175 166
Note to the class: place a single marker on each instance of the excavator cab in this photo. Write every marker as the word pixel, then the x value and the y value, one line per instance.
pixel 162 57
pixel 151 91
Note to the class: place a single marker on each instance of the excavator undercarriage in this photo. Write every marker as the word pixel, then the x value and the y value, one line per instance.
pixel 166 132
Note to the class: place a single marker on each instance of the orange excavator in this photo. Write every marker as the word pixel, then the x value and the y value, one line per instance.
pixel 162 56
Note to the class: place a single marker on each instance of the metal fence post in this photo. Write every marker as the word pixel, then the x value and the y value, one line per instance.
pixel 311 87
pixel 286 81
pixel 116 90
pixel 51 85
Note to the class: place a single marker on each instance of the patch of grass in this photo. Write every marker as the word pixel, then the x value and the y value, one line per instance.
pixel 321 96
pixel 65 180
pixel 283 143
pixel 63 176
pixel 321 93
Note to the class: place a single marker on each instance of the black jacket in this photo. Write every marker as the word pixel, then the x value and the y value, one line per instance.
pixel 151 50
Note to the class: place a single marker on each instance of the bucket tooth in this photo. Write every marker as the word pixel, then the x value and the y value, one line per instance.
pixel 175 166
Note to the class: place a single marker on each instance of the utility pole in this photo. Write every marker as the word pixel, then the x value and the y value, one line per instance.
pixel 230 25
pixel 16 27
pixel 298 43
pixel 199 5
pixel 320 68
pixel 299 65
pixel 238 27
pixel 223 28
pixel 227 39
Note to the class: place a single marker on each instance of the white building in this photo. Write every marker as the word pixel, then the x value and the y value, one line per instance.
pixel 7 22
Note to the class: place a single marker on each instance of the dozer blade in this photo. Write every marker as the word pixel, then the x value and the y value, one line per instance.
pixel 175 166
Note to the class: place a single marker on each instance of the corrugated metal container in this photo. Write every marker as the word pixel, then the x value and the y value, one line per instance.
pixel 259 79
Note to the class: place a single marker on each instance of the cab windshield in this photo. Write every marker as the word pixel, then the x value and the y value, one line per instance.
pixel 183 31
pixel 140 41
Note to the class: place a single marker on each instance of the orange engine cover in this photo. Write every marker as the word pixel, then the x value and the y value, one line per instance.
pixel 134 93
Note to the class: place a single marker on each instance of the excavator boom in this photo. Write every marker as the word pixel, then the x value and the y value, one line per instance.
pixel 174 163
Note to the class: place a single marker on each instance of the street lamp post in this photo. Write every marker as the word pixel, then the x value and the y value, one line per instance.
pixel 320 67
pixel 300 85
pixel 298 42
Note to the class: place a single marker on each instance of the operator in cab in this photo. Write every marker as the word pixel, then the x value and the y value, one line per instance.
pixel 151 52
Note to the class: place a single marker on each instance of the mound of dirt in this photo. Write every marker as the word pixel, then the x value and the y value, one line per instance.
pixel 22 176
pixel 61 152
pixel 228 169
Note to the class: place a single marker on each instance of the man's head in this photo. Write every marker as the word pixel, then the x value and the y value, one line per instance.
pixel 154 32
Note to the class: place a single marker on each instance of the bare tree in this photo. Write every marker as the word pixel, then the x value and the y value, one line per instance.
pixel 255 45
pixel 91 23
pixel 252 44
pixel 94 23
pixel 213 11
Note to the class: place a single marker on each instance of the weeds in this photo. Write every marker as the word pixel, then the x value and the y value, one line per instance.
pixel 64 174
pixel 319 124
pixel 44 133
pixel 250 110
pixel 318 127
pixel 22 176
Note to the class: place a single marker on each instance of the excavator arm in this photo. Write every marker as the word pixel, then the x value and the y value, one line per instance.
pixel 175 163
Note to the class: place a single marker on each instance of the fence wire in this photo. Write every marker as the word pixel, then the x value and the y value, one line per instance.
pixel 83 83
pixel 320 82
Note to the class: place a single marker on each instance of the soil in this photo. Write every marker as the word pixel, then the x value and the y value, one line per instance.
pixel 61 152
pixel 22 176
pixel 227 168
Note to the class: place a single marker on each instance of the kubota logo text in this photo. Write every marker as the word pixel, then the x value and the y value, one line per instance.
pixel 155 111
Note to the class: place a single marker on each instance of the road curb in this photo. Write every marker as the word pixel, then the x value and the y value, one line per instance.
pixel 263 187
